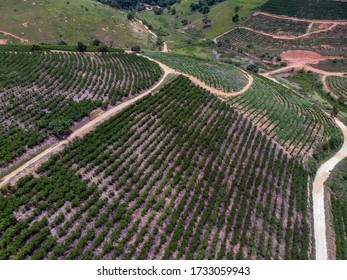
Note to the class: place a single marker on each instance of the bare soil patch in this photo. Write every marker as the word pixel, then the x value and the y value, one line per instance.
pixel 3 41
pixel 306 57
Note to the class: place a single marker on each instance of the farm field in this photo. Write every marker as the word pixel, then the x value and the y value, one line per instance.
pixel 338 85
pixel 337 184
pixel 40 99
pixel 53 21
pixel 310 9
pixel 164 179
pixel 287 118
pixel 276 26
pixel 330 42
pixel 218 75
pixel 335 65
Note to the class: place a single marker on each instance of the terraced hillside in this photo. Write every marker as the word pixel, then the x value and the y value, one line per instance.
pixel 289 119
pixel 168 178
pixel 43 94
pixel 338 85
pixel 276 26
pixel 310 9
pixel 331 42
pixel 220 76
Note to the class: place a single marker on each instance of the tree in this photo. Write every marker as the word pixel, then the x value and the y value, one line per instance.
pixel 204 9
pixel 130 15
pixel 59 127
pixel 237 9
pixel 235 18
pixel 157 11
pixel 159 42
pixel 136 48
pixel 96 42
pixel 253 68
pixel 81 47
pixel 103 49
pixel 35 48
pixel 334 111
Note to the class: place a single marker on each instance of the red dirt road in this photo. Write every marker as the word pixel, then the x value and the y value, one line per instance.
pixel 22 40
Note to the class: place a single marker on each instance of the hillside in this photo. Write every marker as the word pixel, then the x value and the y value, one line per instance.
pixel 310 9
pixel 193 130
pixel 53 21
pixel 195 30
pixel 164 179
pixel 40 99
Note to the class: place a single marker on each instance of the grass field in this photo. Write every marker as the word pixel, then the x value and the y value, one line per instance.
pixel 221 15
pixel 50 21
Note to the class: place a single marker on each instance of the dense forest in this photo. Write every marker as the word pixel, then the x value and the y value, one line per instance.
pixel 136 4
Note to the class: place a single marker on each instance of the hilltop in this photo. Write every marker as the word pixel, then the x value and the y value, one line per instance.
pixel 58 21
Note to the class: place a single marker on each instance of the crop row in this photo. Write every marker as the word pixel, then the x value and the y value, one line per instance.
pixel 178 175
pixel 310 9
pixel 220 76
pixel 276 26
pixel 283 115
pixel 327 43
pixel 39 92
pixel 338 85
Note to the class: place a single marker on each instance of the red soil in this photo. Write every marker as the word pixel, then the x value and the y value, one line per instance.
pixel 305 57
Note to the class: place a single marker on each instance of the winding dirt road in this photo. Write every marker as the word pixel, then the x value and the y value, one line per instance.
pixel 286 37
pixel 34 163
pixel 205 86
pixel 300 19
pixel 299 66
pixel 318 196
pixel 22 40
pixel 324 170
pixel 165 48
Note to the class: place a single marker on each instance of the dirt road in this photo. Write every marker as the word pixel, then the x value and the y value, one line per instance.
pixel 165 47
pixel 34 163
pixel 300 19
pixel 299 66
pixel 318 196
pixel 284 37
pixel 22 40
pixel 308 33
pixel 322 173
pixel 205 86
